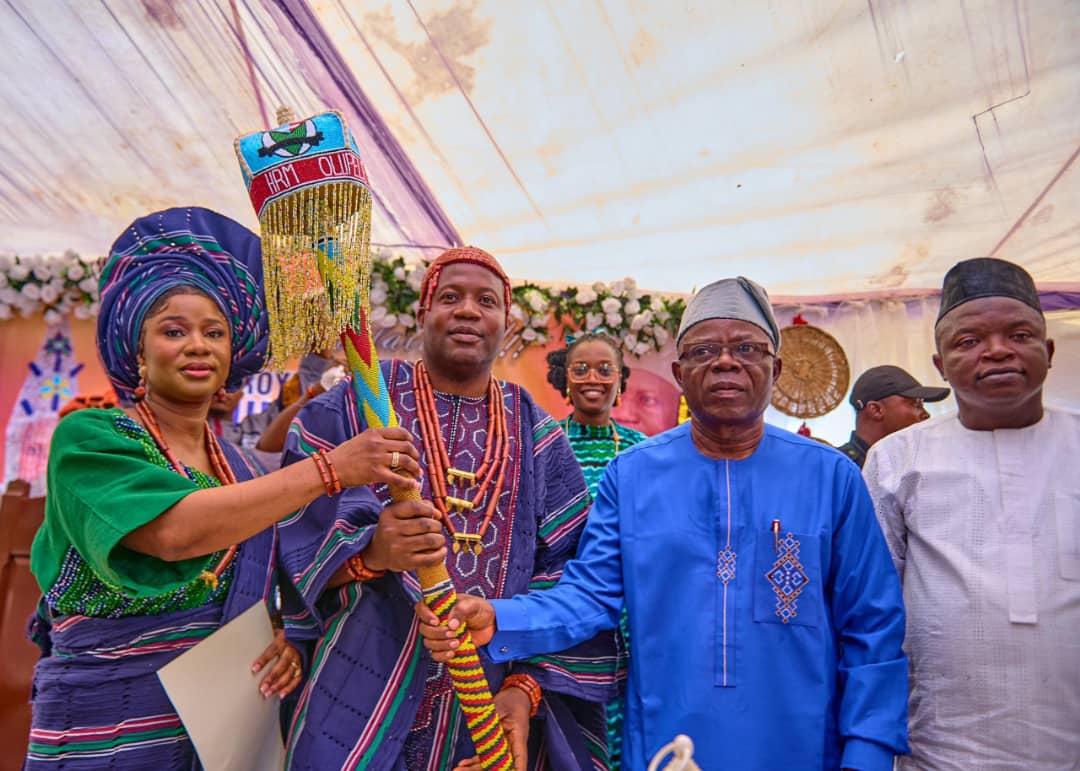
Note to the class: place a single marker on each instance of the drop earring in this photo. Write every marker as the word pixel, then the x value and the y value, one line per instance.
pixel 568 399
pixel 618 399
pixel 140 390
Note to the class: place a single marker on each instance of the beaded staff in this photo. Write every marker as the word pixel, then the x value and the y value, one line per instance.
pixel 313 200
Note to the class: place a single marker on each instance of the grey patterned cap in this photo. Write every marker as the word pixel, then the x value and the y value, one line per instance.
pixel 732 298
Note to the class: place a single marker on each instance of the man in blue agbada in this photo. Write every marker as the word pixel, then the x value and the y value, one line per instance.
pixel 764 608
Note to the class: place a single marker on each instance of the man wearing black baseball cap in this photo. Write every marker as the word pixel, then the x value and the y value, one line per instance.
pixel 885 399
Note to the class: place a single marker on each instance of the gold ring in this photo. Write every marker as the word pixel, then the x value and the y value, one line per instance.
pixel 296 668
pixel 395 459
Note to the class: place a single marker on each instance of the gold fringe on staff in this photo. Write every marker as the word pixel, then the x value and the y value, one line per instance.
pixel 317 266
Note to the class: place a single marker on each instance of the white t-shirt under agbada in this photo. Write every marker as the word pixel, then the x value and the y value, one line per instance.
pixel 984 528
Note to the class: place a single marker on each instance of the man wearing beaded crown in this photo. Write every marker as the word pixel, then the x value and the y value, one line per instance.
pixel 981 509
pixel 508 505
pixel 763 608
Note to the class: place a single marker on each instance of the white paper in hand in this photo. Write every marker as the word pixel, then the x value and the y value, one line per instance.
pixel 217 696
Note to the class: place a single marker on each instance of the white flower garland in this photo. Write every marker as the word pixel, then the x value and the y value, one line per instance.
pixel 61 284
pixel 55 285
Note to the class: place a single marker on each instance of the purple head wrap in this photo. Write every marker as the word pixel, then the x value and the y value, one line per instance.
pixel 181 247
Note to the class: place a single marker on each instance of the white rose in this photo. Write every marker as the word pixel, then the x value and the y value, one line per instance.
pixel 414 307
pixel 611 305
pixel 379 284
pixel 537 301
pixel 388 321
pixel 6 261
pixel 26 308
pixel 632 307
pixel 94 308
pixel 3 280
pixel 88 285
pixel 599 287
pixel 43 273
pixel 48 294
pixel 541 338
pixel 406 320
pixel 378 296
pixel 399 273
pixel 661 336
pixel 82 311
pixel 613 320
pixel 5 312
pixel 593 320
pixel 629 340
pixel 585 297
pixel 662 315
pixel 31 291
pixel 8 296
pixel 414 279
pixel 33 261
pixel 377 313
pixel 638 322
pixel 618 287
pixel 641 348
pixel 529 334
pixel 538 320
pixel 19 272
pixel 517 313
pixel 52 317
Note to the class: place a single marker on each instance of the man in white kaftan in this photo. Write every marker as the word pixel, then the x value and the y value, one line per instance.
pixel 981 511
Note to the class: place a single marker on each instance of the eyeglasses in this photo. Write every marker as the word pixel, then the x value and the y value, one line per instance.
pixel 606 372
pixel 744 353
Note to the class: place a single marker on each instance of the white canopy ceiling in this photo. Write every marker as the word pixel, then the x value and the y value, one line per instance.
pixel 819 146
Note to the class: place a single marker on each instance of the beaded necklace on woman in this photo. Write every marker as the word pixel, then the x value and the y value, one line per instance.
pixel 595 431
pixel 486 480
pixel 218 463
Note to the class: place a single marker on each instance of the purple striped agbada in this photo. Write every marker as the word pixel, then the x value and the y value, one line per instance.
pixel 375 699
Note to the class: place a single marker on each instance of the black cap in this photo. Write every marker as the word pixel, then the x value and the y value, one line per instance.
pixel 878 382
pixel 986 277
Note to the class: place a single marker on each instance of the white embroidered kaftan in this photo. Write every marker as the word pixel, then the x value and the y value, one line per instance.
pixel 984 528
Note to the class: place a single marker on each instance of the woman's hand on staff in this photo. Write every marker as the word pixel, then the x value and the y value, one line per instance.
pixel 377 455
pixel 475 612
pixel 194 526
pixel 287 670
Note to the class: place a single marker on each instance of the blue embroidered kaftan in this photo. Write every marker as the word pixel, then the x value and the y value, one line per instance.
pixel 771 650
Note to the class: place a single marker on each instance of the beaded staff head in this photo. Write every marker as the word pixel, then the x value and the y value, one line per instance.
pixel 462 254
pixel 188 247
pixel 312 196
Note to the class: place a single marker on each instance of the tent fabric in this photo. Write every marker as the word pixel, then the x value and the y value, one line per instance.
pixel 834 147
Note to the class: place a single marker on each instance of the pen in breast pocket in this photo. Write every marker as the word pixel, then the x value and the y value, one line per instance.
pixel 776 534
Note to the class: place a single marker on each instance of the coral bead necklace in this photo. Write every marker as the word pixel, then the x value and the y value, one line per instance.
pixel 217 461
pixel 488 477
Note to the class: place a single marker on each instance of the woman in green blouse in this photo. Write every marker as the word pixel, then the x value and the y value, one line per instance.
pixel 155 534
